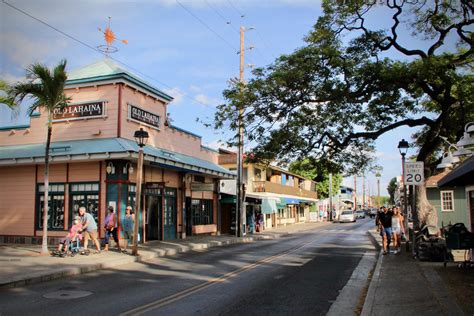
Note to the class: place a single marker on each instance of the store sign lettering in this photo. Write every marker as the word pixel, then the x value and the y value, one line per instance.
pixel 79 111
pixel 142 116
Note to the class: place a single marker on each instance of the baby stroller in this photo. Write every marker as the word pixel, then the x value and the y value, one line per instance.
pixel 72 249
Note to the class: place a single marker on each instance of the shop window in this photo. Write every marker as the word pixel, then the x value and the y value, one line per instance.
pixel 447 201
pixel 199 179
pixel 132 195
pixel 257 174
pixel 87 195
pixel 170 207
pixel 201 211
pixel 55 206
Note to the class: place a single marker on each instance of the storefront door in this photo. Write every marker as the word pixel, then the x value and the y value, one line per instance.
pixel 153 220
pixel 170 214
pixel 471 207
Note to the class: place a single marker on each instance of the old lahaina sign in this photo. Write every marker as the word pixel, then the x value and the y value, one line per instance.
pixel 142 116
pixel 80 111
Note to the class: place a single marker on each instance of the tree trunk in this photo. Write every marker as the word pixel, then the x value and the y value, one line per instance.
pixel 427 214
pixel 44 246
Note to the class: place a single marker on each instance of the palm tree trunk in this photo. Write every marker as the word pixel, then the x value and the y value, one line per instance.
pixel 44 247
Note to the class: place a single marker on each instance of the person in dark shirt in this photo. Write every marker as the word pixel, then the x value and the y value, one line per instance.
pixel 385 225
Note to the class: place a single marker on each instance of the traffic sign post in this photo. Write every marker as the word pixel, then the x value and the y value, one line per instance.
pixel 414 173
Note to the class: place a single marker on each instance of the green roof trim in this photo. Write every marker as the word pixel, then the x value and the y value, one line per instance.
pixel 185 131
pixel 209 148
pixel 6 128
pixel 107 69
pixel 107 148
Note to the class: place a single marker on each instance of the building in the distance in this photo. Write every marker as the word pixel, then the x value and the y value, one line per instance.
pixel 93 162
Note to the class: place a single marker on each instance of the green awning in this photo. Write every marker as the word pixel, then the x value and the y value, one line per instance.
pixel 281 203
pixel 269 206
pixel 228 200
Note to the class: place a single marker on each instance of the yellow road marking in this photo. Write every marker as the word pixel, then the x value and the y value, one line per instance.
pixel 180 295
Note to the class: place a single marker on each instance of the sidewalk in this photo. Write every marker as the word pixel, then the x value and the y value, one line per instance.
pixel 22 264
pixel 401 285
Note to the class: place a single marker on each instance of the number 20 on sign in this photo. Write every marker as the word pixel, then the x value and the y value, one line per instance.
pixel 414 173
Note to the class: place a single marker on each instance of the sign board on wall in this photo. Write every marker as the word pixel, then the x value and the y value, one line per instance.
pixel 143 117
pixel 80 111
pixel 414 173
pixel 197 186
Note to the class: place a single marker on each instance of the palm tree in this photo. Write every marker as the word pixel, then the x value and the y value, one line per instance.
pixel 46 89
pixel 4 98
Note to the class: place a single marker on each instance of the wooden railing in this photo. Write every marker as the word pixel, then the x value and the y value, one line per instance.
pixel 271 187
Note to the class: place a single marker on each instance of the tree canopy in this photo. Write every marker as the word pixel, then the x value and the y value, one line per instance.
pixel 333 97
pixel 316 171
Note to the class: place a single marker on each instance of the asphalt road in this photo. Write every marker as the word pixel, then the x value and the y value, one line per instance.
pixel 299 274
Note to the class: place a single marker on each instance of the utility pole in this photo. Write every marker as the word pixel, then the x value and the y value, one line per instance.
pixel 355 192
pixel 363 191
pixel 239 200
pixel 330 197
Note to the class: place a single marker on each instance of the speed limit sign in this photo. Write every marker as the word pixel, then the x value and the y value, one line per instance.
pixel 414 173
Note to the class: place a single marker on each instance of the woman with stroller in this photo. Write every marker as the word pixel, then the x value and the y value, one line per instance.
pixel 73 235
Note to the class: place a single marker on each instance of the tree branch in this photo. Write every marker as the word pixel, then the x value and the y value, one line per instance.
pixel 375 134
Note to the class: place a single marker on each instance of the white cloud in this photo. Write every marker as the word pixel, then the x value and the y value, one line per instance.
pixel 176 93
pixel 22 50
pixel 201 98
pixel 216 144
pixel 386 156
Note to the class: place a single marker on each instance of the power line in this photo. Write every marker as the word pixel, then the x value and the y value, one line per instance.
pixel 242 15
pixel 221 16
pixel 102 53
pixel 207 26
pixel 237 10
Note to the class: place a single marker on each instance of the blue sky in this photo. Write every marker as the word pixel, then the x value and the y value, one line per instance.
pixel 170 48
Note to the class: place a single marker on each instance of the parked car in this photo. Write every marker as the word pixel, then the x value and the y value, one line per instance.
pixel 347 216
pixel 373 212
pixel 360 214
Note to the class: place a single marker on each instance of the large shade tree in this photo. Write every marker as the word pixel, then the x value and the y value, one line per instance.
pixel 355 80
pixel 45 88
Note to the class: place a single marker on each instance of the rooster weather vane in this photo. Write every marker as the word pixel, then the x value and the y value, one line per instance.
pixel 110 38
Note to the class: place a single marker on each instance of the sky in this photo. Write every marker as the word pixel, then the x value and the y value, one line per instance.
pixel 187 48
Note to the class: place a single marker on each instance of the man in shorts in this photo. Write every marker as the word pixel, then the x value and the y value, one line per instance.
pixel 89 227
pixel 385 225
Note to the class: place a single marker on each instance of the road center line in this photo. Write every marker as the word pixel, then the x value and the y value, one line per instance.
pixel 180 295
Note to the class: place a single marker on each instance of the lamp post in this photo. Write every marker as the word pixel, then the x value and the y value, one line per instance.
pixel 403 148
pixel 141 137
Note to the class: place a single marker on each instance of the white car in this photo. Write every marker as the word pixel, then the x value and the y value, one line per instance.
pixel 360 214
pixel 347 216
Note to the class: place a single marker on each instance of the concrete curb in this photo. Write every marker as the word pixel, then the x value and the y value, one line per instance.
pixel 370 296
pixel 144 256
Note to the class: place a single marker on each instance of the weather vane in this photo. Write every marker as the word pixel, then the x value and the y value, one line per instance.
pixel 110 38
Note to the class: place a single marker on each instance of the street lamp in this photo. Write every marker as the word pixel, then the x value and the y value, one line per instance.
pixel 403 148
pixel 141 137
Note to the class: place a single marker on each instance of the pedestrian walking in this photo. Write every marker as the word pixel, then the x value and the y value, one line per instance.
pixel 110 226
pixel 127 227
pixel 89 227
pixel 385 225
pixel 397 229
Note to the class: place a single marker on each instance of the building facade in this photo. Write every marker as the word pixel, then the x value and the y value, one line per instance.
pixel 273 194
pixel 93 159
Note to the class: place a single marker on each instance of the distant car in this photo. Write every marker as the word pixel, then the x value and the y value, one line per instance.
pixel 347 216
pixel 373 213
pixel 360 214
